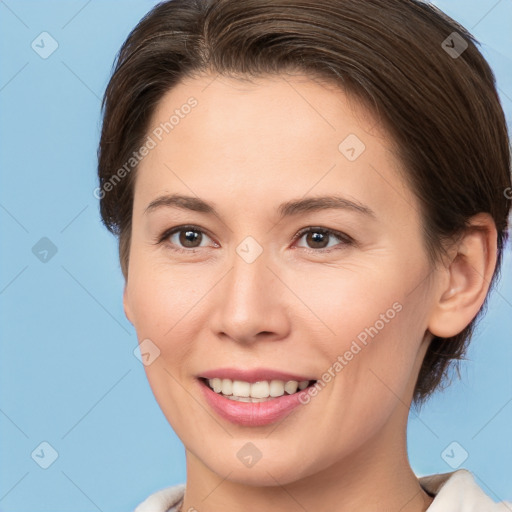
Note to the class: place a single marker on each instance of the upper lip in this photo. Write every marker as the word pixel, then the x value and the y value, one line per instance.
pixel 253 375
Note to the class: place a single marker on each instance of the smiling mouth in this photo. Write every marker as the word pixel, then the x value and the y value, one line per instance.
pixel 261 391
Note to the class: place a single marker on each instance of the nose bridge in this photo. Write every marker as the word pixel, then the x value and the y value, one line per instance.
pixel 250 302
pixel 248 285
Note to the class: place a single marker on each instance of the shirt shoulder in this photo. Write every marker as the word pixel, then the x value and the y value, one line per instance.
pixel 164 500
pixel 458 492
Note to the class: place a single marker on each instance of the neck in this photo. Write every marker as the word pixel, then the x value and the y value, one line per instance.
pixel 376 477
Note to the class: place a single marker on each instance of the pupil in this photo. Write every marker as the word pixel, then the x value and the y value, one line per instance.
pixel 318 237
pixel 188 237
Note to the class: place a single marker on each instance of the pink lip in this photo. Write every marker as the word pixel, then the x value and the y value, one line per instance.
pixel 249 414
pixel 254 375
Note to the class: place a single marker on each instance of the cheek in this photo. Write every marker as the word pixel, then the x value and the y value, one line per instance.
pixel 369 327
pixel 160 296
pixel 168 308
pixel 163 308
pixel 346 302
pixel 379 360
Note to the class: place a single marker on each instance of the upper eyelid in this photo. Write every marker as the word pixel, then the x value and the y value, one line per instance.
pixel 333 232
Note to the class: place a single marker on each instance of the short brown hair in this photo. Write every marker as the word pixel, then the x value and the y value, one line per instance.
pixel 432 89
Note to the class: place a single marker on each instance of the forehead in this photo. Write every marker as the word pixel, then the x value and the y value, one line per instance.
pixel 296 106
pixel 283 136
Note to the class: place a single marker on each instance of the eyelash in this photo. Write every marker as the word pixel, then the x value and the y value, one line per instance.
pixel 344 239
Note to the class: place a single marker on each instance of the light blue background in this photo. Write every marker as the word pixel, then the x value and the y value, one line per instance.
pixel 68 375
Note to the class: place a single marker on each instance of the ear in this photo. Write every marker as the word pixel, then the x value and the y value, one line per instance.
pixel 126 303
pixel 463 291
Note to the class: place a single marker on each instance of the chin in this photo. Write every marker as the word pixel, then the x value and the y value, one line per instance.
pixel 274 467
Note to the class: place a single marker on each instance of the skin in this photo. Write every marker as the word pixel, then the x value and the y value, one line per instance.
pixel 247 148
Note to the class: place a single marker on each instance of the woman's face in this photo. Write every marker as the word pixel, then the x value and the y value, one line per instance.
pixel 241 288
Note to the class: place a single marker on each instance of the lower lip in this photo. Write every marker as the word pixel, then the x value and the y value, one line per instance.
pixel 252 414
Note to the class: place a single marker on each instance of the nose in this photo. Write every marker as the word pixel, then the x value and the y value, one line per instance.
pixel 253 301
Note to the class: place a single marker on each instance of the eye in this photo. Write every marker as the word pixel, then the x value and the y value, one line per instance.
pixel 183 238
pixel 318 238
pixel 189 238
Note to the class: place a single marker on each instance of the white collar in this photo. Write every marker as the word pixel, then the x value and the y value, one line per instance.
pixel 458 492
pixel 454 492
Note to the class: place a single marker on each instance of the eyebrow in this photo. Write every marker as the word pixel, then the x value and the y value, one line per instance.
pixel 287 209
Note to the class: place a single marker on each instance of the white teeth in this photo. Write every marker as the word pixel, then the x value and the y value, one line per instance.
pixel 276 388
pixel 291 386
pixel 241 388
pixel 260 389
pixel 227 387
pixel 244 399
pixel 257 391
pixel 216 384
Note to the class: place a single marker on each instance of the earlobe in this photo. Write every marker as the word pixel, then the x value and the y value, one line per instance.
pixel 468 279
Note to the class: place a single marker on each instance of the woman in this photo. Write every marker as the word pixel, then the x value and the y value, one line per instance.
pixel 311 203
